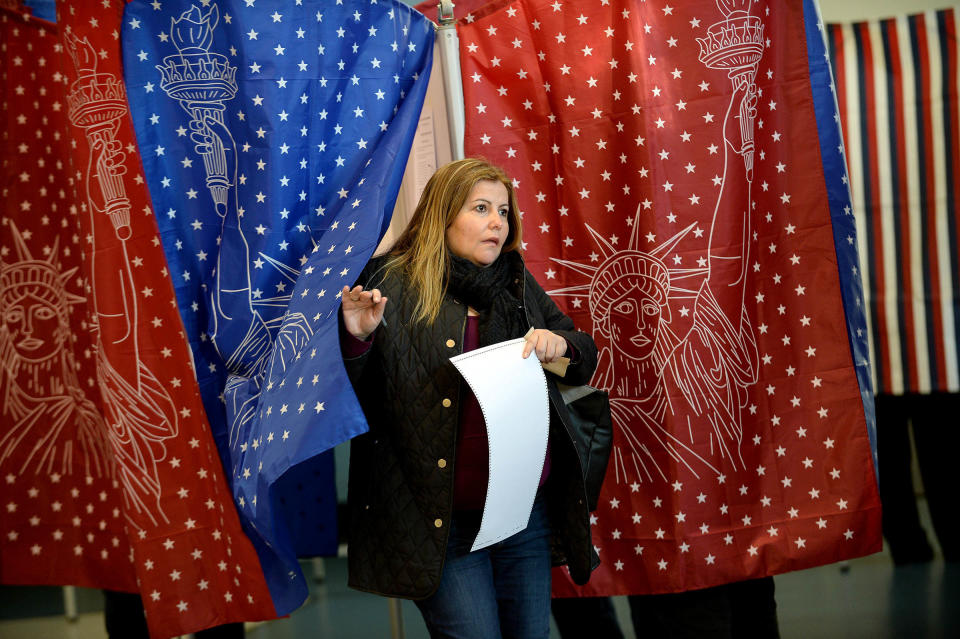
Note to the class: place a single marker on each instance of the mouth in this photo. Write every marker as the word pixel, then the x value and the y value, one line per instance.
pixel 492 241
pixel 30 343
pixel 639 340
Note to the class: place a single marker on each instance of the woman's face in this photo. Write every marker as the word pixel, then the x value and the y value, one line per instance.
pixel 635 323
pixel 481 227
pixel 34 328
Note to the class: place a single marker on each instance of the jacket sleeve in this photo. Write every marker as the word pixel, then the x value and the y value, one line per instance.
pixel 356 363
pixel 580 371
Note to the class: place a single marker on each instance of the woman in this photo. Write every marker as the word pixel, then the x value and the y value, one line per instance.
pixel 455 281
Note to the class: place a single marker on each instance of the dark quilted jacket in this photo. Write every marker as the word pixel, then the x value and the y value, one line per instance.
pixel 401 472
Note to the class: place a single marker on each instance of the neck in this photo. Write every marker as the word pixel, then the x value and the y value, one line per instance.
pixel 642 379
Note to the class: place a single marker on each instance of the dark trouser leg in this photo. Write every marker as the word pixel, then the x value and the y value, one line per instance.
pixel 521 576
pixel 936 433
pixel 901 521
pixel 226 631
pixel 754 609
pixel 743 610
pixel 592 617
pixel 465 604
pixel 695 614
pixel 124 618
pixel 123 615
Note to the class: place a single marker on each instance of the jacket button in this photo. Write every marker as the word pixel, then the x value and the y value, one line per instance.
pixel 438 523
pixel 442 463
pixel 451 343
pixel 446 402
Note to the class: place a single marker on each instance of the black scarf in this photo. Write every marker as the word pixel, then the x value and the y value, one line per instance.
pixel 492 292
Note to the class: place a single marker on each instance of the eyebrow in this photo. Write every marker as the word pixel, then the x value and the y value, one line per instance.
pixel 483 199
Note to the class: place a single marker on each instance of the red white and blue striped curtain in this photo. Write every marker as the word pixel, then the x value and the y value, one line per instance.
pixel 897 86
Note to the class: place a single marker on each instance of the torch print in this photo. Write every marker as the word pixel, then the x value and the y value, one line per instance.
pixel 140 413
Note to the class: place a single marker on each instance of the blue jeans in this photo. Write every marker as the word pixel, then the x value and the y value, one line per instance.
pixel 501 591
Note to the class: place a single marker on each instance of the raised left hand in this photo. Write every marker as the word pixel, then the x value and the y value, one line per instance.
pixel 548 345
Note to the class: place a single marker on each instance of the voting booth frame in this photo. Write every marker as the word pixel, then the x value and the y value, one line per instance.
pixel 438 140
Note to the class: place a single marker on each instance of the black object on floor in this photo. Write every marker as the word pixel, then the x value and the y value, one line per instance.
pixel 123 614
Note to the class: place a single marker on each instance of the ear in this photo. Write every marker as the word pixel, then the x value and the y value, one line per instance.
pixel 603 327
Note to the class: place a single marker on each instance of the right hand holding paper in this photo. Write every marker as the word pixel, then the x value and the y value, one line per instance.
pixel 549 348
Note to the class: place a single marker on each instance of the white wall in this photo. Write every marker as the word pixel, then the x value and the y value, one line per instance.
pixel 853 10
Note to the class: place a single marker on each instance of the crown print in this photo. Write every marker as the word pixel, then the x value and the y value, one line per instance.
pixel 41 277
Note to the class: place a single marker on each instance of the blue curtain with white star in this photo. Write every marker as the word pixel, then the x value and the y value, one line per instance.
pixel 274 138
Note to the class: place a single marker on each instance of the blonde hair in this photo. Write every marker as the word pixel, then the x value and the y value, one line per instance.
pixel 421 254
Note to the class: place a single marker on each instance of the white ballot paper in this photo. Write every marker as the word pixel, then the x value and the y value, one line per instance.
pixel 512 393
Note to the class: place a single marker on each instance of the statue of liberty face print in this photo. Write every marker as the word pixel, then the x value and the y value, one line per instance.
pixel 31 321
pixel 628 301
pixel 635 323
pixel 54 427
pixel 35 326
pixel 629 296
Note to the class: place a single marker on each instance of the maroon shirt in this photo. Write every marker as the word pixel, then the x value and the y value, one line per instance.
pixel 470 472
pixel 471 469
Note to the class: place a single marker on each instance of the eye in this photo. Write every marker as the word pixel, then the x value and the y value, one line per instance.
pixel 481 208
pixel 15 316
pixel 624 307
pixel 504 212
pixel 650 309
pixel 45 313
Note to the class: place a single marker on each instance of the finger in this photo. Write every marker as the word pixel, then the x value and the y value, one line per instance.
pixel 348 297
pixel 538 345
pixel 542 349
pixel 380 307
pixel 529 346
pixel 559 346
pixel 550 353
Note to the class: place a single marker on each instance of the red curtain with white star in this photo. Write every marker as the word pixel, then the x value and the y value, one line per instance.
pixel 674 204
pixel 110 476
